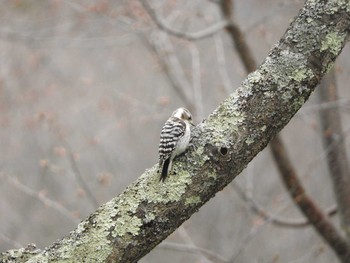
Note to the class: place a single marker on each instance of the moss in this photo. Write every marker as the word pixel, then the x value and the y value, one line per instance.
pixel 333 41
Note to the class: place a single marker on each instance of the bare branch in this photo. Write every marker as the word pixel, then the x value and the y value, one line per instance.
pixel 193 249
pixel 41 197
pixel 79 176
pixel 278 221
pixel 160 44
pixel 211 30
pixel 307 206
pixel 8 240
pixel 333 140
pixel 189 242
pixel 196 80
pixel 222 64
pixel 238 37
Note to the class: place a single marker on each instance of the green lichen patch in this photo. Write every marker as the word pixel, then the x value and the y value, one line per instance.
pixel 249 141
pixel 212 175
pixel 254 77
pixel 334 6
pixel 225 119
pixel 192 200
pixel 127 224
pixel 301 74
pixel 333 42
pixel 170 190
pixel 200 150
pixel 287 95
pixel 149 217
pixel 39 259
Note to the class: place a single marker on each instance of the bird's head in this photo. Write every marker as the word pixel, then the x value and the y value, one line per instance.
pixel 183 114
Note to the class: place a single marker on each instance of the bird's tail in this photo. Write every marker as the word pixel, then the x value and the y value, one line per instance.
pixel 165 169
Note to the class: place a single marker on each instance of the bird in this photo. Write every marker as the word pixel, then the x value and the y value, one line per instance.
pixel 174 139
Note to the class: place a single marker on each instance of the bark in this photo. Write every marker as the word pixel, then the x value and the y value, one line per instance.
pixel 127 227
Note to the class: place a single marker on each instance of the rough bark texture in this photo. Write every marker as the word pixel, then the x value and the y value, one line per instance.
pixel 130 225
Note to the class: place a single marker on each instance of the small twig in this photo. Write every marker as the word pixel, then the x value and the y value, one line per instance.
pixel 11 242
pixel 255 230
pixel 196 81
pixel 306 205
pixel 278 221
pixel 238 37
pixel 211 30
pixel 193 249
pixel 189 242
pixel 338 103
pixel 222 64
pixel 162 47
pixel 79 176
pixel 41 197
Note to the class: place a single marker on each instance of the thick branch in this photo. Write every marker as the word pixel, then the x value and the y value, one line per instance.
pixel 319 220
pixel 336 157
pixel 130 225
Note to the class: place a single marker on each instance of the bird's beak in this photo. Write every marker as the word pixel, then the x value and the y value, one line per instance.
pixel 192 124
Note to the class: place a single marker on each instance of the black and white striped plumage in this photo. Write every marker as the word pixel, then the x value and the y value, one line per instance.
pixel 174 139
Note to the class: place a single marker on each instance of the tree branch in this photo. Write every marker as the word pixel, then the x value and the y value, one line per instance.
pixel 161 46
pixel 332 139
pixel 278 221
pixel 211 30
pixel 320 221
pixel 193 249
pixel 41 197
pixel 238 38
pixel 130 225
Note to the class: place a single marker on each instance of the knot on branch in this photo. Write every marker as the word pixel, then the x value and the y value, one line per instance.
pixel 220 152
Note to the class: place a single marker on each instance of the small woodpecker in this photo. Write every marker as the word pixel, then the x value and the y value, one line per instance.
pixel 174 139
